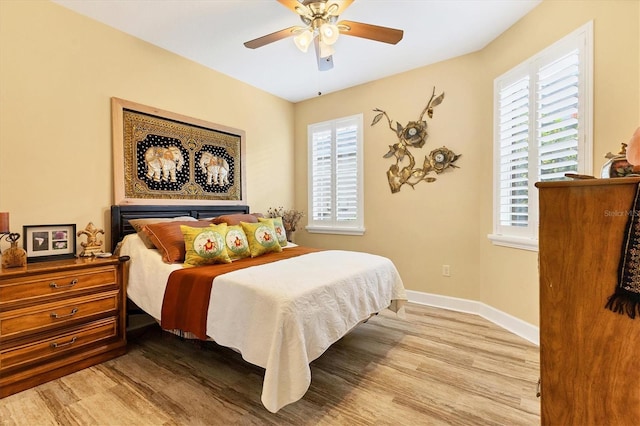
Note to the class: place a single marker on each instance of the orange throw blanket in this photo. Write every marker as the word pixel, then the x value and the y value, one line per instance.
pixel 186 298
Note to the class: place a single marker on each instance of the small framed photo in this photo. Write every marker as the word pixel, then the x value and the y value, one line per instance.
pixel 49 242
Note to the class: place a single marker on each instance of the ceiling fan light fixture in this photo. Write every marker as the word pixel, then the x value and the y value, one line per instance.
pixel 332 9
pixel 326 50
pixel 301 10
pixel 303 40
pixel 322 29
pixel 329 33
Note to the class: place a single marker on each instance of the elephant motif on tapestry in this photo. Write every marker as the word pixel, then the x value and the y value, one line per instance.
pixel 163 163
pixel 215 168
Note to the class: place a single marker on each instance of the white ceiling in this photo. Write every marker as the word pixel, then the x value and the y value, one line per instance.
pixel 212 33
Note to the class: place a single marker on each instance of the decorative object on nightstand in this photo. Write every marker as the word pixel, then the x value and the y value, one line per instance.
pixel 14 256
pixel 49 242
pixel 618 165
pixel 633 148
pixel 93 246
pixel 4 223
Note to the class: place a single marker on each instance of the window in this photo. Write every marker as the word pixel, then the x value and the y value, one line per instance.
pixel 542 130
pixel 335 176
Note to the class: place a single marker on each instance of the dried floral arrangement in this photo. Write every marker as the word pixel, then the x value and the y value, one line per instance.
pixel 290 217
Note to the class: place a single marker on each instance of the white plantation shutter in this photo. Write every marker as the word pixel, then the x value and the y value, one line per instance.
pixel 514 153
pixel 322 172
pixel 335 176
pixel 542 113
pixel 347 172
pixel 557 118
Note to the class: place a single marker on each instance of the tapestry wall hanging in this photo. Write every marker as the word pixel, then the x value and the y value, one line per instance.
pixel 168 158
pixel 414 135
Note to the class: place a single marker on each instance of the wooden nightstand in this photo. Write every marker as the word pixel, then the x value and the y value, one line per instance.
pixel 59 317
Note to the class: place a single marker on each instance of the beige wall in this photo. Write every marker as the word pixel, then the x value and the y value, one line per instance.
pixel 58 71
pixel 447 222
pixel 437 223
pixel 510 276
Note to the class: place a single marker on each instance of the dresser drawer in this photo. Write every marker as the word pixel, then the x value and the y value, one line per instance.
pixel 73 340
pixel 34 288
pixel 58 317
pixel 42 317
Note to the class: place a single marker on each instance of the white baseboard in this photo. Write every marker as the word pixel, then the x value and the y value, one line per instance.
pixel 504 320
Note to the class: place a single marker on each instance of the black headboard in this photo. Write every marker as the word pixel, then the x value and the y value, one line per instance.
pixel 120 215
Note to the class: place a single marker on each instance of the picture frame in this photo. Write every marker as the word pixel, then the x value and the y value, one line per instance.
pixel 49 242
pixel 161 157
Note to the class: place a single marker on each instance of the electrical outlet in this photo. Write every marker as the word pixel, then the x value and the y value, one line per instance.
pixel 446 271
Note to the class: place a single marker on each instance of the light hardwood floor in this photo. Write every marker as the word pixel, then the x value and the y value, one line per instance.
pixel 434 367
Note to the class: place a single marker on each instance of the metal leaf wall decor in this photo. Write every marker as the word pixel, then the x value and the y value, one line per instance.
pixel 414 135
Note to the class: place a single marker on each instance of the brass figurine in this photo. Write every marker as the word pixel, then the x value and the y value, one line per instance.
pixel 414 135
pixel 93 245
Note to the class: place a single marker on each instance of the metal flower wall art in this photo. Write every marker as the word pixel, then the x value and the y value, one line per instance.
pixel 414 135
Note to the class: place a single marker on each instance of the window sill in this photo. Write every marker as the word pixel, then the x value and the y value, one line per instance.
pixel 522 243
pixel 332 230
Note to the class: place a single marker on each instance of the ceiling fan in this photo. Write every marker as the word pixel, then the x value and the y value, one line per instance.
pixel 322 29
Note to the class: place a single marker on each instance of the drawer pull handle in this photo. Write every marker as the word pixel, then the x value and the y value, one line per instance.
pixel 71 284
pixel 538 393
pixel 55 345
pixel 70 314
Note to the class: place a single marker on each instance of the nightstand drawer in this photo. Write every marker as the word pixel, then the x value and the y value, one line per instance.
pixel 81 337
pixel 42 317
pixel 57 317
pixel 64 284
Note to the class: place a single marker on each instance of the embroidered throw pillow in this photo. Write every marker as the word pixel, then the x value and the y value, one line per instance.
pixel 278 226
pixel 262 238
pixel 204 246
pixel 237 243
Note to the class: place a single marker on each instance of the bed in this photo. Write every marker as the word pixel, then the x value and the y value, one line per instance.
pixel 279 315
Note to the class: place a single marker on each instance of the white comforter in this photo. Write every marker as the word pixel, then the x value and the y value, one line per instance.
pixel 282 315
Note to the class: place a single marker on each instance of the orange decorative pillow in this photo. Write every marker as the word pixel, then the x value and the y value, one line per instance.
pixel 139 224
pixel 168 238
pixel 235 219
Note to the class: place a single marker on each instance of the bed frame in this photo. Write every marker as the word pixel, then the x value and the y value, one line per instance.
pixel 120 215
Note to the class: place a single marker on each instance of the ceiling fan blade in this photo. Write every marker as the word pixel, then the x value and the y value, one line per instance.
pixel 326 63
pixel 270 38
pixel 371 32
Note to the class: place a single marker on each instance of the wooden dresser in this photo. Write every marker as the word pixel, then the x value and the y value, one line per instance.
pixel 57 318
pixel 589 356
